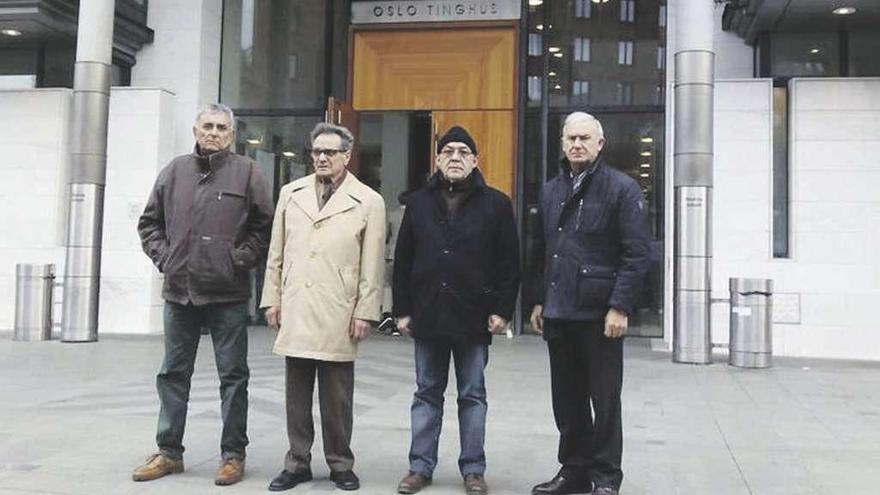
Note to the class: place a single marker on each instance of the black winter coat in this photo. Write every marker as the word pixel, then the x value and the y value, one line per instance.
pixel 593 244
pixel 450 276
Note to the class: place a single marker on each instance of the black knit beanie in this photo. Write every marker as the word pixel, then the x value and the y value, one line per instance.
pixel 457 134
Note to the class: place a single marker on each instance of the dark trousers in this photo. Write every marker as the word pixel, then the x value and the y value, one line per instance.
pixel 586 368
pixel 432 374
pixel 335 397
pixel 227 324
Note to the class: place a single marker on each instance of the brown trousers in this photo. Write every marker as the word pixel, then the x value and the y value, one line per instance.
pixel 335 398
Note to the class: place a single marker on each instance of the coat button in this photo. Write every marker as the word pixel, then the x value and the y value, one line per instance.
pixel 555 255
pixel 559 229
pixel 308 284
pixel 313 254
pixel 445 251
pixel 317 225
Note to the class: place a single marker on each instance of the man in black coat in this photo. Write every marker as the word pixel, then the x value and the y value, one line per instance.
pixel 456 276
pixel 593 250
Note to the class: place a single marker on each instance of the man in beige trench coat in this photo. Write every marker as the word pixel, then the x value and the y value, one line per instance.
pixel 323 290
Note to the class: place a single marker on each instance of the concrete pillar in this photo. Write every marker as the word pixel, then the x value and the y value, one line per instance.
pixel 692 158
pixel 88 170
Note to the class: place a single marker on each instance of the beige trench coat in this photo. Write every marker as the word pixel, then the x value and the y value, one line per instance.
pixel 325 267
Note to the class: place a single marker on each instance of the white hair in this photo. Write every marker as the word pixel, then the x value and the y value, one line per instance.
pixel 584 117
pixel 215 108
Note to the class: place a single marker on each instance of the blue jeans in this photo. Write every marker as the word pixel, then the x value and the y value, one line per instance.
pixel 432 374
pixel 227 323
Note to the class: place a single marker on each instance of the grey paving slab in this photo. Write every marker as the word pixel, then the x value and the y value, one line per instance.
pixel 76 418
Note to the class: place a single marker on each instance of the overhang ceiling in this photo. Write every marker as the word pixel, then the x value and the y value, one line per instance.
pixel 749 18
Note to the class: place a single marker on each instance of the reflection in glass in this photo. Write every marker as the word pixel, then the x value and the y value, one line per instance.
pixel 273 54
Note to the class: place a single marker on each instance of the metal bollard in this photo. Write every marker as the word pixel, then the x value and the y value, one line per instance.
pixel 33 301
pixel 751 322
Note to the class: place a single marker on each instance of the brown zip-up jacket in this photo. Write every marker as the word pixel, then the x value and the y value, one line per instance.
pixel 206 224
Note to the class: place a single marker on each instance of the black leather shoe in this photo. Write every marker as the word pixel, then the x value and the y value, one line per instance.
pixel 345 480
pixel 287 480
pixel 562 484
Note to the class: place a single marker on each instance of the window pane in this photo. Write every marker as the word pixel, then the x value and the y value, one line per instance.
pixel 278 145
pixel 273 54
pixel 804 54
pixel 534 44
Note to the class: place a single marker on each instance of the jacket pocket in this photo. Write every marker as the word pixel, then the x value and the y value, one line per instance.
pixel 349 280
pixel 590 217
pixel 594 285
pixel 210 264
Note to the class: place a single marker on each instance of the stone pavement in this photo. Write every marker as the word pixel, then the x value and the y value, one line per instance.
pixel 76 418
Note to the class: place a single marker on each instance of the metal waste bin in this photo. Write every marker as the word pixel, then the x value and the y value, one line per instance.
pixel 751 322
pixel 33 301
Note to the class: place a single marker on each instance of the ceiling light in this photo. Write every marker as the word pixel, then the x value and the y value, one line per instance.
pixel 644 175
pixel 11 32
pixel 600 1
pixel 554 49
pixel 557 87
pixel 645 165
pixel 539 27
pixel 844 11
pixel 552 73
pixel 645 153
pixel 535 3
pixel 815 50
pixel 253 141
pixel 647 140
pixel 557 55
pixel 288 154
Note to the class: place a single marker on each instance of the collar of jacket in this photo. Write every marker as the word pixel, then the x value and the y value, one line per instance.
pixel 567 179
pixel 437 181
pixel 212 161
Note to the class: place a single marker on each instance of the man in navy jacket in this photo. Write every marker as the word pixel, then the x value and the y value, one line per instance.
pixel 456 277
pixel 593 252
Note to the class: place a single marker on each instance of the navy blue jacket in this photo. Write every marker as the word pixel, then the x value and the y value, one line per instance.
pixel 593 244
pixel 450 275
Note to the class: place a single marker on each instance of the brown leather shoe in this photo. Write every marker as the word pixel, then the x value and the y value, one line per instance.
pixel 475 484
pixel 231 471
pixel 156 466
pixel 413 483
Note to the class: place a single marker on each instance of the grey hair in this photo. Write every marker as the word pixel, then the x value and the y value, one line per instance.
pixel 327 128
pixel 584 117
pixel 214 108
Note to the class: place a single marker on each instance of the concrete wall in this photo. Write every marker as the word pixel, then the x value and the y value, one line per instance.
pixel 33 147
pixel 828 290
pixel 33 143
pixel 184 58
pixel 140 143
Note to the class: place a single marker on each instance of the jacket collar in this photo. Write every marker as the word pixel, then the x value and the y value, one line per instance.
pixel 567 179
pixel 347 196
pixel 212 161
pixel 437 181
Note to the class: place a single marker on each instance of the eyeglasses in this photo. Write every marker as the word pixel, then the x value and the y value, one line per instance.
pixel 450 152
pixel 328 152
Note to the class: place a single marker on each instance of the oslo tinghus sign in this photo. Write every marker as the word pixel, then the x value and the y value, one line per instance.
pixel 434 11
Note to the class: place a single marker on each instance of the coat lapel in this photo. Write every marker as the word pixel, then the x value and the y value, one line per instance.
pixel 342 200
pixel 306 200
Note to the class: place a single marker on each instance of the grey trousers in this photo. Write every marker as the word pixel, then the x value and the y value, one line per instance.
pixel 335 398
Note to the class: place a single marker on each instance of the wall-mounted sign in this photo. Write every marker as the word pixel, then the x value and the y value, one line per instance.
pixel 434 11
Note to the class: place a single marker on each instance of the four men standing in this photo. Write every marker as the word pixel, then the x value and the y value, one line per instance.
pixel 455 283
pixel 456 277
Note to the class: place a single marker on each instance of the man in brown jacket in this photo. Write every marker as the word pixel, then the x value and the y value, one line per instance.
pixel 205 225
pixel 323 290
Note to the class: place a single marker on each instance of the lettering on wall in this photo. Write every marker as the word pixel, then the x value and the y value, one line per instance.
pixel 434 11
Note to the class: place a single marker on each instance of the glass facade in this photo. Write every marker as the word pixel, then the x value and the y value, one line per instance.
pixel 281 60
pixel 607 59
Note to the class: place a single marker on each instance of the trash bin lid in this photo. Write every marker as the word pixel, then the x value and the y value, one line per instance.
pixel 34 270
pixel 741 285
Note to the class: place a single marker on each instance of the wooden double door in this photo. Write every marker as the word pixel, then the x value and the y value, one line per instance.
pixel 461 76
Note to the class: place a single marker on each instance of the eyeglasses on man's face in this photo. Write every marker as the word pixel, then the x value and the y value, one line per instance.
pixel 449 152
pixel 328 152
